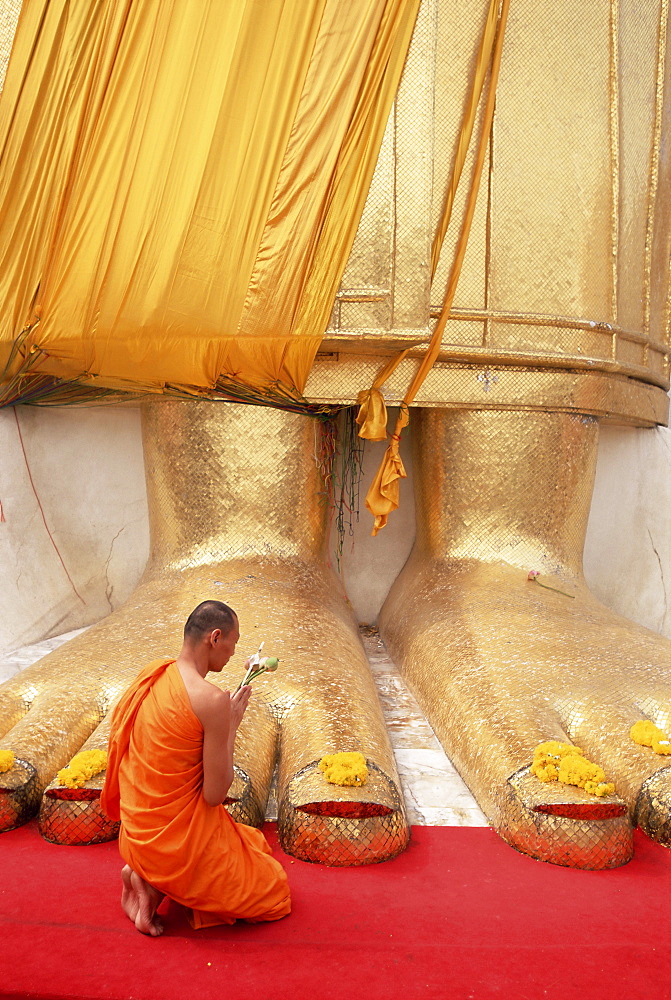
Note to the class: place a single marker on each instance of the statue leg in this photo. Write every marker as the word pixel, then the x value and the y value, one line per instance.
pixel 237 513
pixel 501 664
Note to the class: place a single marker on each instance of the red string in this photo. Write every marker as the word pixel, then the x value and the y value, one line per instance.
pixel 30 477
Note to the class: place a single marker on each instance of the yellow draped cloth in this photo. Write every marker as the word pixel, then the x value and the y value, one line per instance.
pixel 181 182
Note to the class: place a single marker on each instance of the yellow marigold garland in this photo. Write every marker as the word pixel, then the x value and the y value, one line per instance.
pixel 647 734
pixel 555 761
pixel 6 760
pixel 82 767
pixel 344 768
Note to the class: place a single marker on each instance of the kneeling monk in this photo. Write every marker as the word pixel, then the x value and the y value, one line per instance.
pixel 169 768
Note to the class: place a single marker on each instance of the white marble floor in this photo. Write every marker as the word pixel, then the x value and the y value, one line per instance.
pixel 12 663
pixel 434 793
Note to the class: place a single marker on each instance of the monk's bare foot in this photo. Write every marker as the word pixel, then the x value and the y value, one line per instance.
pixel 129 898
pixel 148 900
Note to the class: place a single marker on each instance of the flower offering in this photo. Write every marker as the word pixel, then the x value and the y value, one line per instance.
pixel 647 734
pixel 258 665
pixel 533 575
pixel 346 768
pixel 83 766
pixel 555 761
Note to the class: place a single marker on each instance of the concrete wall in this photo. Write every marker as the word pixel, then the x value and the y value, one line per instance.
pixel 628 548
pixel 75 540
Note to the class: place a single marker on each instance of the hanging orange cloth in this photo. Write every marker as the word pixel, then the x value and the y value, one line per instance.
pixel 194 853
pixel 182 182
pixel 385 486
pixel 383 493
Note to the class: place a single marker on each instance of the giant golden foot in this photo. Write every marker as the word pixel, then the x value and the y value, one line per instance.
pixel 501 664
pixel 237 514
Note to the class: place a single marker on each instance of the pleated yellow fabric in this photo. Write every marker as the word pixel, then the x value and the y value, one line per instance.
pixel 383 494
pixel 181 182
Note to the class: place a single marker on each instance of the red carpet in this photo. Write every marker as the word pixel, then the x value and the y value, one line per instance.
pixel 459 915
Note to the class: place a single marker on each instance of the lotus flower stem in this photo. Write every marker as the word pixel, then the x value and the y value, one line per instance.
pixel 533 575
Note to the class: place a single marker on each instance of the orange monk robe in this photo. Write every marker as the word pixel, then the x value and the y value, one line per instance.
pixel 194 853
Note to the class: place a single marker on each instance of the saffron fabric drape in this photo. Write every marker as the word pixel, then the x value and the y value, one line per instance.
pixel 180 183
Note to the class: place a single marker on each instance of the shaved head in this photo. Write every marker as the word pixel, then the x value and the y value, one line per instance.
pixel 208 616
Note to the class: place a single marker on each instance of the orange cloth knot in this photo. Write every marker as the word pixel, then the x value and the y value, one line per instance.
pixel 372 415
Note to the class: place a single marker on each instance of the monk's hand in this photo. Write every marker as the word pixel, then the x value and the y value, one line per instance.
pixel 239 702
